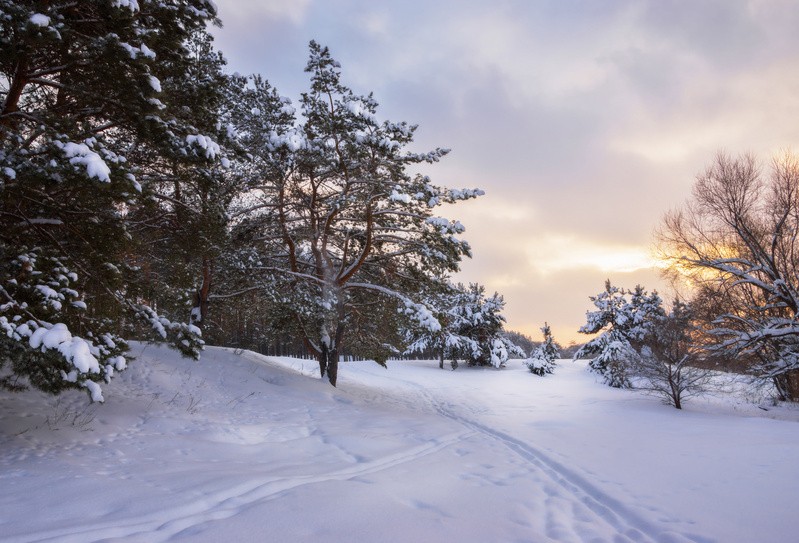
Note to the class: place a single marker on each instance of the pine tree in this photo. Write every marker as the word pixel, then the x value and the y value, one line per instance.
pixel 81 92
pixel 621 324
pixel 480 324
pixel 190 182
pixel 452 306
pixel 542 359
pixel 339 228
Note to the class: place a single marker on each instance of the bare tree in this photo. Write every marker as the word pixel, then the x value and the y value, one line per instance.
pixel 738 239
pixel 669 356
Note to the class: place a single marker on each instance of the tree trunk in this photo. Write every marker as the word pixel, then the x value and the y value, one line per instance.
pixel 793 385
pixel 332 361
pixel 11 104
pixel 441 359
pixel 332 366
pixel 200 310
pixel 323 361
pixel 788 385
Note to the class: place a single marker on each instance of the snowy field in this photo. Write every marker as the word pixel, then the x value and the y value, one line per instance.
pixel 240 447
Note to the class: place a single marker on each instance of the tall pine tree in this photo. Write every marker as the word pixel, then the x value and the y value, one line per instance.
pixel 340 227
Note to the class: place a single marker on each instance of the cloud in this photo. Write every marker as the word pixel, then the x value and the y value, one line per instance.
pixel 583 121
pixel 264 10
pixel 554 253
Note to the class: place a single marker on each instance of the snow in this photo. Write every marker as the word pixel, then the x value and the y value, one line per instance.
pixel 241 447
pixel 80 153
pixel 134 52
pixel 39 19
pixel 53 298
pixel 132 179
pixel 95 391
pixel 398 197
pixel 210 148
pixel 293 139
pixel 50 338
pixel 74 349
pixel 132 5
pixel 147 52
pixel 77 351
pixel 154 82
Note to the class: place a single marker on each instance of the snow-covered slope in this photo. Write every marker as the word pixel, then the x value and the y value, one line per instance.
pixel 239 447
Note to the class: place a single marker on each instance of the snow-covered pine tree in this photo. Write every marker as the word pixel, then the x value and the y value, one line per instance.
pixel 80 90
pixel 262 122
pixel 189 179
pixel 447 301
pixel 621 324
pixel 343 228
pixel 481 325
pixel 542 359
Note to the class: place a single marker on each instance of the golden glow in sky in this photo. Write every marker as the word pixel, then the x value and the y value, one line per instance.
pixel 556 253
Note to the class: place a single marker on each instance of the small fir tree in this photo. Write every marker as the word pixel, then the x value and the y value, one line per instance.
pixel 542 359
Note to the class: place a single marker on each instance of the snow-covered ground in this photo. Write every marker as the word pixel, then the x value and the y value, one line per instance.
pixel 239 447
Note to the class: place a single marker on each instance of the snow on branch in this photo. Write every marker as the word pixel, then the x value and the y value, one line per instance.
pixel 132 5
pixel 421 313
pixel 81 154
pixel 208 147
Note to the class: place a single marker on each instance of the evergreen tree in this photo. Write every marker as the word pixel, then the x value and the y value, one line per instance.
pixel 183 228
pixel 448 302
pixel 481 324
pixel 82 90
pixel 542 359
pixel 339 228
pixel 622 325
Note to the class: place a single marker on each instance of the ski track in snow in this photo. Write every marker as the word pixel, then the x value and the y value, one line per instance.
pixel 629 526
pixel 228 503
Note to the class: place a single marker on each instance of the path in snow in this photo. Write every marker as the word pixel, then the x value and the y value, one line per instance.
pixel 576 510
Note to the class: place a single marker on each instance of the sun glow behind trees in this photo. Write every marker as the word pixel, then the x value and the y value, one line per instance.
pixel 553 254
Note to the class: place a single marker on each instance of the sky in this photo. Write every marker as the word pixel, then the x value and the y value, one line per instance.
pixel 583 121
